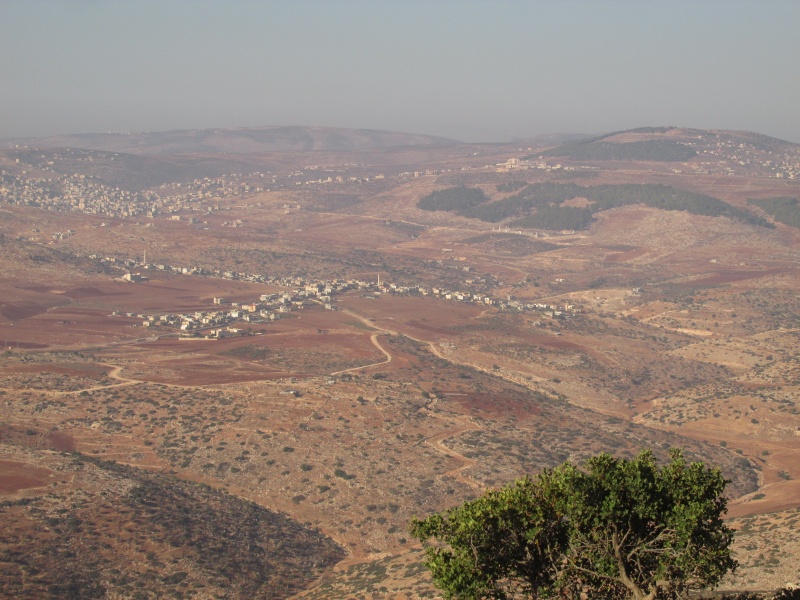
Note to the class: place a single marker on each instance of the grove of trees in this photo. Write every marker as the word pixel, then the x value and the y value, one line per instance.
pixel 539 205
pixel 785 210
pixel 456 198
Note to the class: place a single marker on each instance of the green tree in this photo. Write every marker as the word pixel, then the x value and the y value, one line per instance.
pixel 615 528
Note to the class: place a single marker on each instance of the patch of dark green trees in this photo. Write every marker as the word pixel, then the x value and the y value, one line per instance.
pixel 540 205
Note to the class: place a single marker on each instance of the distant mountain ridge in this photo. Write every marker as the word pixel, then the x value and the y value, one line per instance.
pixel 664 143
pixel 659 144
pixel 247 140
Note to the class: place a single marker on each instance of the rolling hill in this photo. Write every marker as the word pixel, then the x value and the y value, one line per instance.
pixel 249 140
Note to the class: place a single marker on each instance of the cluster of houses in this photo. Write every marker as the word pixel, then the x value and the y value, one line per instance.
pixel 186 195
pixel 37 182
pixel 75 193
pixel 522 164
pixel 222 322
pixel 219 323
pixel 732 157
pixel 508 303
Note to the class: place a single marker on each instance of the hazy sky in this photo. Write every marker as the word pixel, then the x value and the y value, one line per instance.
pixel 474 71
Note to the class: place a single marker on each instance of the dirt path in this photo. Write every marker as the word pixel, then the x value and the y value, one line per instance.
pixel 436 442
pixel 374 339
pixel 457 473
pixel 114 374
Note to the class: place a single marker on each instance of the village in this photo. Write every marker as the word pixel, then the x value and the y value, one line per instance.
pixel 742 159
pixel 237 318
pixel 88 195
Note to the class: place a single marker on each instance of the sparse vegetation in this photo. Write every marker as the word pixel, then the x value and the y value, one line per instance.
pixel 450 199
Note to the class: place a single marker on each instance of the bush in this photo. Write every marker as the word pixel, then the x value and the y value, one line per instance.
pixel 616 528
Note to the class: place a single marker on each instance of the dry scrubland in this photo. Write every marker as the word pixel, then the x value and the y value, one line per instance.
pixel 134 463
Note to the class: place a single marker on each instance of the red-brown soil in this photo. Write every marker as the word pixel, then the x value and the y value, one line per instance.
pixel 16 476
pixel 489 406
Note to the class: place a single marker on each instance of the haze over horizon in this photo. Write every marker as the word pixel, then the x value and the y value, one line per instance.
pixel 471 71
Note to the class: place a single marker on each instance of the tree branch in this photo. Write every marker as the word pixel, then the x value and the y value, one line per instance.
pixel 623 572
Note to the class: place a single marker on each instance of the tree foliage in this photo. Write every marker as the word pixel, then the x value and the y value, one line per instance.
pixel 785 210
pixel 505 540
pixel 539 205
pixel 455 198
pixel 615 528
pixel 511 186
pixel 556 217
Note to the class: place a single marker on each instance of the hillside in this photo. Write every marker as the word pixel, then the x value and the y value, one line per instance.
pixel 544 205
pixel 701 150
pixel 106 529
pixel 251 140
